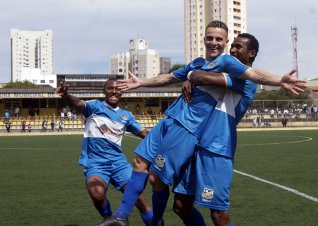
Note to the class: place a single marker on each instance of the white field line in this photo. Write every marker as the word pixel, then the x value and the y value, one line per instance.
pixel 304 139
pixel 279 186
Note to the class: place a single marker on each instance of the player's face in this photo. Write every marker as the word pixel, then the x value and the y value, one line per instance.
pixel 112 93
pixel 239 49
pixel 215 41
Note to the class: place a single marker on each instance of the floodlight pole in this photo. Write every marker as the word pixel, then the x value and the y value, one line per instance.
pixel 294 33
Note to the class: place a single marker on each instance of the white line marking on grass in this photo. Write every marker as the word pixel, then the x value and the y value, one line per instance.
pixel 269 182
pixel 279 186
pixel 305 139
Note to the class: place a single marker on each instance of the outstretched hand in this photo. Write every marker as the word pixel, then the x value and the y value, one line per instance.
pixel 126 84
pixel 62 89
pixel 293 84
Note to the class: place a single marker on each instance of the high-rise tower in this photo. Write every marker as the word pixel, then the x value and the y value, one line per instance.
pixel 31 50
pixel 198 13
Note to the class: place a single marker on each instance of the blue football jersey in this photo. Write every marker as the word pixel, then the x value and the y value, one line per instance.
pixel 219 134
pixel 104 129
pixel 192 115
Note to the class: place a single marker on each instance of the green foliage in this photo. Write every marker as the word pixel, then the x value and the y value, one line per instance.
pixel 280 99
pixel 175 67
pixel 21 84
pixel 282 94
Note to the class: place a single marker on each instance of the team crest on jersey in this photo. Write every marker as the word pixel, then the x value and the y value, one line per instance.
pixel 207 194
pixel 123 117
pixel 160 161
pixel 212 64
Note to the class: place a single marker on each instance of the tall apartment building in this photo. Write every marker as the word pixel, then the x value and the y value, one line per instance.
pixel 140 60
pixel 165 65
pixel 31 49
pixel 198 13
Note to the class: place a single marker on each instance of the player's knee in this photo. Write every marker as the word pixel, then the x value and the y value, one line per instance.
pixel 96 189
pixel 182 207
pixel 220 217
pixel 153 179
pixel 178 209
pixel 97 193
pixel 156 182
pixel 140 164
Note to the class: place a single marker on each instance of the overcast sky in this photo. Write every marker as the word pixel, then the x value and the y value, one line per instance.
pixel 86 32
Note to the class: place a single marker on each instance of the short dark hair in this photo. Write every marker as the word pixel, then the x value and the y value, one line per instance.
pixel 252 43
pixel 217 24
pixel 108 81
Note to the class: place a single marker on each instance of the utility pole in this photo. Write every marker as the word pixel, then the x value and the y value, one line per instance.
pixel 294 33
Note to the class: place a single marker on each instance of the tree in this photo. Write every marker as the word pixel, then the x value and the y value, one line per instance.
pixel 175 67
pixel 21 84
pixel 280 98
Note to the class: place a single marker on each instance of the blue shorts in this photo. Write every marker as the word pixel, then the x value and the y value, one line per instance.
pixel 150 145
pixel 116 172
pixel 209 178
pixel 169 147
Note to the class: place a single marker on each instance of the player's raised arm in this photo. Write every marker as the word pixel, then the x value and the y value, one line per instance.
pixel 72 101
pixel 134 82
pixel 287 81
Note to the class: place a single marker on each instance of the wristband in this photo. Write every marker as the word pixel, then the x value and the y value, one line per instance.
pixel 189 74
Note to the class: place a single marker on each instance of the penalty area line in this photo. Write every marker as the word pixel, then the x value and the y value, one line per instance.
pixel 279 186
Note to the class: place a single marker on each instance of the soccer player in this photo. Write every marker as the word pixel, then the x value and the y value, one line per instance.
pixel 212 168
pixel 178 133
pixel 102 157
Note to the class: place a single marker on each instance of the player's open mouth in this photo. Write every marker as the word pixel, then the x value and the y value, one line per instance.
pixel 113 98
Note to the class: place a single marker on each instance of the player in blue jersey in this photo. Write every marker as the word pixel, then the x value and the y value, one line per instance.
pixel 170 144
pixel 102 157
pixel 211 170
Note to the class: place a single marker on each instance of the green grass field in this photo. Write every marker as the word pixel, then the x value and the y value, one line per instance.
pixel 42 184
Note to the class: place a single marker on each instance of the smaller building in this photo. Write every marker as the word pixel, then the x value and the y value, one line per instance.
pixel 140 60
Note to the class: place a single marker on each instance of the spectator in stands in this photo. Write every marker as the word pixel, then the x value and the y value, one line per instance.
pixel 6 115
pixel 29 127
pixel 284 121
pixel 62 113
pixel 17 112
pixel 44 125
pixel 61 125
pixel 137 109
pixel 254 122
pixel 52 125
pixel 150 112
pixel 8 125
pixel 267 124
pixel 102 157
pixel 69 113
pixel 23 126
pixel 259 121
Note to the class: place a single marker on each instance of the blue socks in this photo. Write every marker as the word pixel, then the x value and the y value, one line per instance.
pixel 134 188
pixel 230 224
pixel 159 203
pixel 146 217
pixel 195 218
pixel 106 211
